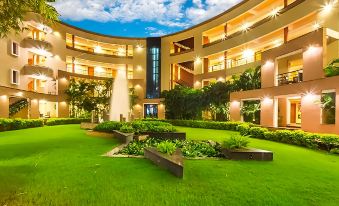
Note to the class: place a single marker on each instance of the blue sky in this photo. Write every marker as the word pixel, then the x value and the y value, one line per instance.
pixel 139 18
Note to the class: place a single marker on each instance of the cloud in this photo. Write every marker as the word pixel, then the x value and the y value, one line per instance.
pixel 171 13
pixel 154 32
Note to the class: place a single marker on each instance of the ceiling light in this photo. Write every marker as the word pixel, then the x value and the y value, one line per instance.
pixel 247 53
pixel 316 26
pixel 197 60
pixel 97 49
pixel 275 12
pixel 245 26
pixel 328 7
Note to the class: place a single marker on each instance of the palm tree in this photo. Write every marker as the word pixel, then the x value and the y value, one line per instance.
pixel 12 13
pixel 332 69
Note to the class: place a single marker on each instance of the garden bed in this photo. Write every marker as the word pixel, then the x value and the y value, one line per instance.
pixel 173 163
pixel 248 154
pixel 88 125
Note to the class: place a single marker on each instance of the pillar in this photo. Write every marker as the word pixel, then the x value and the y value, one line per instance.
pixel 34 109
pixel 4 105
pixel 235 111
pixel 268 112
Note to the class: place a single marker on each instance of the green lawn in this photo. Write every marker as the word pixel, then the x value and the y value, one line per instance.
pixel 62 166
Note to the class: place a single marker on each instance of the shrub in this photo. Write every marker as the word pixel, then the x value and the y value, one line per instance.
pixel 16 124
pixel 243 129
pixel 236 142
pixel 166 147
pixel 62 121
pixel 189 148
pixel 152 126
pixel 233 126
pixel 257 132
pixel 335 151
pixel 108 126
pixel 126 129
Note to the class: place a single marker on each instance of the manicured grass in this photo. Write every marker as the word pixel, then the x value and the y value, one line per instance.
pixel 62 166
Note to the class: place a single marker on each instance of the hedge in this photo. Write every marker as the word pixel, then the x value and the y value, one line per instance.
pixel 62 121
pixel 296 137
pixel 209 124
pixel 16 124
pixel 138 126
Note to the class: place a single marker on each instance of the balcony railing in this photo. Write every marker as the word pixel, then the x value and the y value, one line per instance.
pixel 230 63
pixel 290 77
pixel 87 72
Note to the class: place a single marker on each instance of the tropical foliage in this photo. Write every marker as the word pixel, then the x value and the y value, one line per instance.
pixel 85 96
pixel 187 103
pixel 251 111
pixel 12 13
pixel 17 107
pixel 328 104
pixel 332 69
pixel 236 142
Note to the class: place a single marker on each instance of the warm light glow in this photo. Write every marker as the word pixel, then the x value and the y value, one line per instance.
pixel 266 100
pixel 34 101
pixel 277 43
pixel 121 51
pixel 247 53
pixel 269 63
pixel 3 97
pixel 308 97
pixel 139 68
pixel 327 8
pixel 137 86
pixel 223 36
pixel 316 26
pixel 139 47
pixel 41 52
pixel 20 94
pixel 99 69
pixel 42 101
pixel 57 34
pixel 275 12
pixel 235 103
pixel 197 83
pixel 63 103
pixel 245 26
pixel 221 58
pixel 97 49
pixel 311 49
pixel 221 79
pixel 197 60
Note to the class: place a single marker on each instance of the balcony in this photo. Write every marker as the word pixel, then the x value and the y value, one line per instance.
pixel 30 42
pixel 37 71
pixel 183 46
pixel 290 77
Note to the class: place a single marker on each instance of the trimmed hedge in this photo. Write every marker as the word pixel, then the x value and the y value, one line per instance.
pixel 62 121
pixel 138 126
pixel 16 124
pixel 208 124
pixel 326 142
pixel 296 137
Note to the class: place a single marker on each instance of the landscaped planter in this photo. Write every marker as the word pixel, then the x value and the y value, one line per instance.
pixel 166 135
pixel 173 163
pixel 248 154
pixel 87 125
pixel 124 138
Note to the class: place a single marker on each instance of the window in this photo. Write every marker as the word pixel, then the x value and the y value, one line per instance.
pixel 328 107
pixel 130 73
pixel 15 48
pixel 150 111
pixel 153 68
pixel 15 77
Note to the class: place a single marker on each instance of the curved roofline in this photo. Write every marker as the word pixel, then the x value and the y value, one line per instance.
pixel 99 34
pixel 167 35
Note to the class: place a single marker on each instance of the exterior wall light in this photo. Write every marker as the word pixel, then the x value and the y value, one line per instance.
pixel 197 60
pixel 245 26
pixel 327 8
pixel 316 26
pixel 139 47
pixel 275 12
pixel 19 94
pixel 97 49
pixel 267 100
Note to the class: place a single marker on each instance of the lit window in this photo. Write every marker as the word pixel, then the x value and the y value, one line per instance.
pixel 130 73
pixel 15 77
pixel 15 48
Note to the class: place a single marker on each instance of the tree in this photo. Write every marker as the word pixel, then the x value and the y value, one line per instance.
pixel 250 79
pixel 12 13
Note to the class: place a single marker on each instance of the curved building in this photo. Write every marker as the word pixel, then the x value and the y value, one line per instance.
pixel 292 41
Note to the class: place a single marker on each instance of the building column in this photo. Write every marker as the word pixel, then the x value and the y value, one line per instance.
pixel 4 105
pixel 63 109
pixel 34 109
pixel 269 112
pixel 235 111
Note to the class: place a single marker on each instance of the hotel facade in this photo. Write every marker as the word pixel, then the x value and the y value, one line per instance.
pixel 291 40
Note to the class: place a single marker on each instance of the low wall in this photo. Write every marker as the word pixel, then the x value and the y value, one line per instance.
pixel 248 154
pixel 174 163
pixel 124 138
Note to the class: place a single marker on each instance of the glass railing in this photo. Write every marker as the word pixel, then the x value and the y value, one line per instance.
pixel 231 63
pixel 84 70
pixel 290 77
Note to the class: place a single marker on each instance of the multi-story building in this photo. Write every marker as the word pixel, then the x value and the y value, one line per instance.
pixel 292 41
